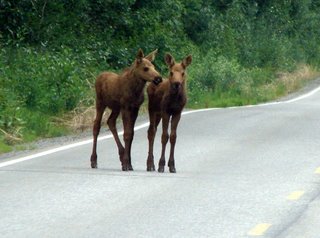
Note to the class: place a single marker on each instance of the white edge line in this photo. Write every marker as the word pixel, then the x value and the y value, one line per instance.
pixel 77 144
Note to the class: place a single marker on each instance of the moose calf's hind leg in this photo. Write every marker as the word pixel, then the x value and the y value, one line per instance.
pixel 96 130
pixel 112 126
pixel 126 166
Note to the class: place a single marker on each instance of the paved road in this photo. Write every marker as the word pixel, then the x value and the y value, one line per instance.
pixel 241 172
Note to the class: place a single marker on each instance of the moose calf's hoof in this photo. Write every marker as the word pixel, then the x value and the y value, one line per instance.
pixel 172 169
pixel 94 165
pixel 161 169
pixel 93 160
pixel 127 167
pixel 151 168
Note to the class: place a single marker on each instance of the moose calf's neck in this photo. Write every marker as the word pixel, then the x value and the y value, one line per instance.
pixel 174 100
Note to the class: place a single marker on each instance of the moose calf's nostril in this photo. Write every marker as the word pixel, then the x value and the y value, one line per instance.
pixel 157 80
pixel 176 85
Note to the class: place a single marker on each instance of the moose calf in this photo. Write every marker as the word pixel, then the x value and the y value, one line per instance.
pixel 166 102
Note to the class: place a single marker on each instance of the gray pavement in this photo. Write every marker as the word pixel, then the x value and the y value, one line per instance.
pixel 236 168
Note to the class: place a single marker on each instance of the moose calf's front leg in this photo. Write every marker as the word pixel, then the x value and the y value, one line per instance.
pixel 128 119
pixel 150 160
pixel 126 165
pixel 173 137
pixel 154 121
pixel 93 160
pixel 164 141
pixel 171 165
pixel 162 161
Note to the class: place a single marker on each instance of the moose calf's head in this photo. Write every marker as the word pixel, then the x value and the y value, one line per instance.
pixel 177 74
pixel 144 69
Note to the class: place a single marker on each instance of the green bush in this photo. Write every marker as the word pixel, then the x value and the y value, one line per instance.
pixel 37 84
pixel 51 51
pixel 45 81
pixel 218 81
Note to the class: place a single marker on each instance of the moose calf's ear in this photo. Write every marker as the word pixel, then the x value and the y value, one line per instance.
pixel 169 60
pixel 139 56
pixel 187 61
pixel 152 55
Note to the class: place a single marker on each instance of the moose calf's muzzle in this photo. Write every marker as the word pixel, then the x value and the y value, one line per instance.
pixel 157 80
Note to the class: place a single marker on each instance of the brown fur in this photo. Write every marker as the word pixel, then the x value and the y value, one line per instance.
pixel 166 102
pixel 123 94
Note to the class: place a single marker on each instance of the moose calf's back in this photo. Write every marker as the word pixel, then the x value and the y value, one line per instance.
pixel 108 88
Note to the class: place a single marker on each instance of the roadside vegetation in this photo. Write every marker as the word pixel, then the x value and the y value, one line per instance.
pixel 244 52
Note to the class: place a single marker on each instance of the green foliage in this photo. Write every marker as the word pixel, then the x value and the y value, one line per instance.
pixel 51 50
pixel 37 84
pixel 217 81
pixel 42 81
pixel 40 124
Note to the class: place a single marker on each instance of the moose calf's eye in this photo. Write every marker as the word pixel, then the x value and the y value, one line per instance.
pixel 182 74
pixel 145 69
pixel 171 74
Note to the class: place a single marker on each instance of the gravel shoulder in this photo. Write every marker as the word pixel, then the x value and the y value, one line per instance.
pixel 49 143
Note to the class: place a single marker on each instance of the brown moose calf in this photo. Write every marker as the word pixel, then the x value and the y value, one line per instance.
pixel 123 93
pixel 166 102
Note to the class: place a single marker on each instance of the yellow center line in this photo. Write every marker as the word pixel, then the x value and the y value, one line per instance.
pixel 317 171
pixel 295 195
pixel 259 229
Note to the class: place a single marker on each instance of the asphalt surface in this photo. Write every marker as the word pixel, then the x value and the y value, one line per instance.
pixel 241 172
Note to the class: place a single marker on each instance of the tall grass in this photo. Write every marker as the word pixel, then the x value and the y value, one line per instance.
pixel 216 81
